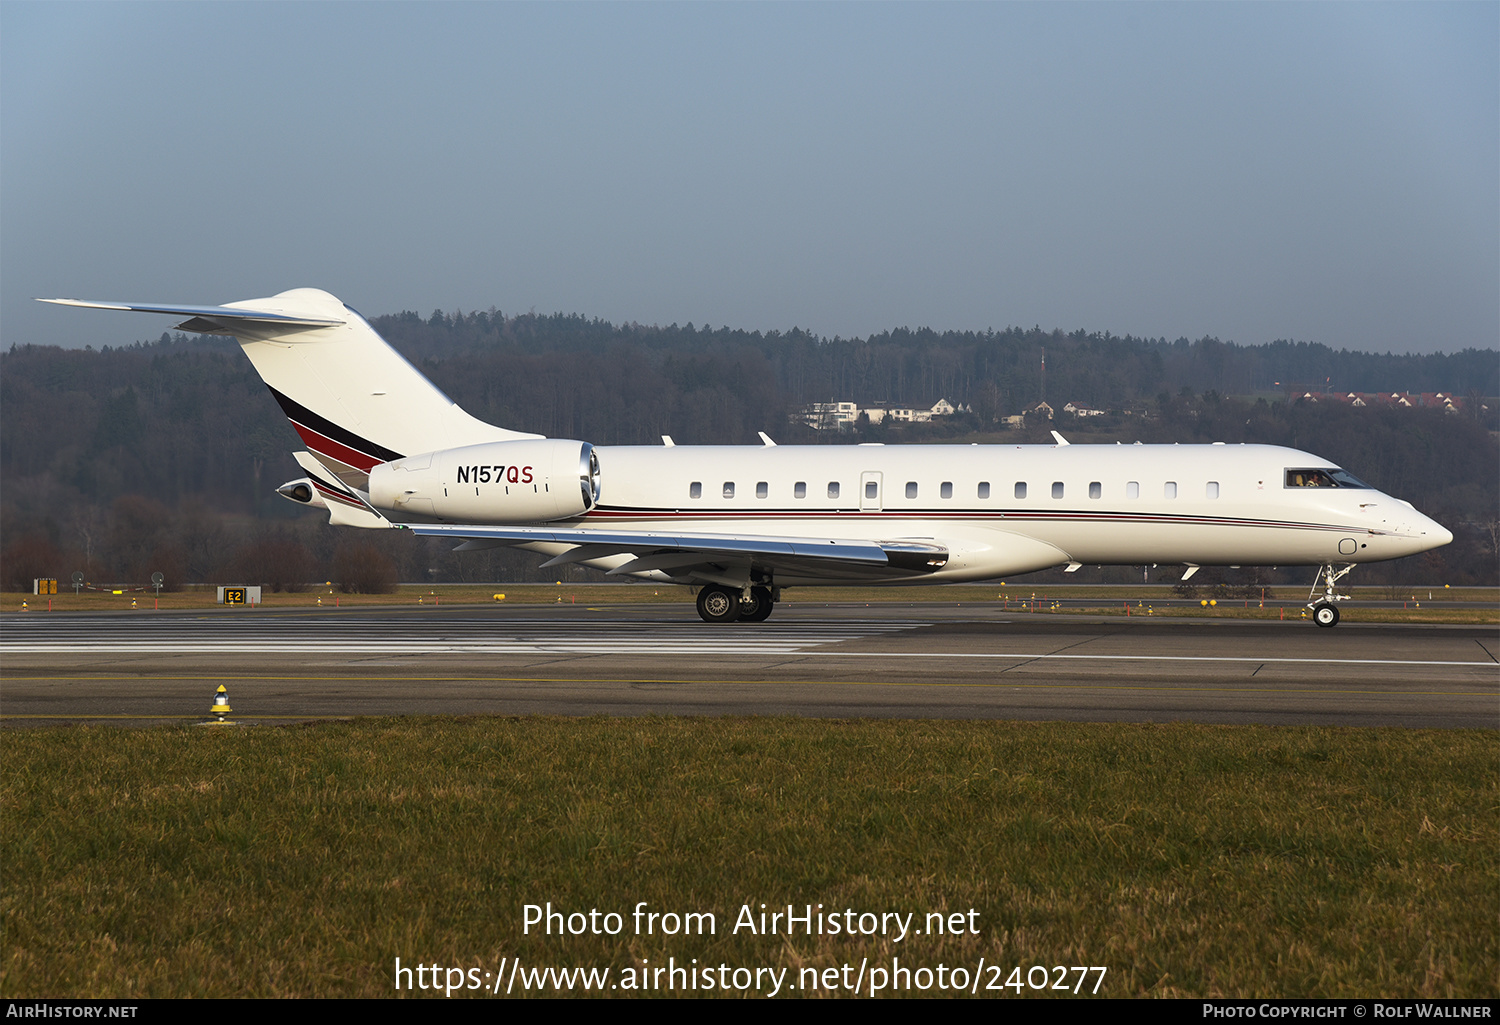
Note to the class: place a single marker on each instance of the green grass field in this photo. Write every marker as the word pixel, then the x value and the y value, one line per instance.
pixel 1187 860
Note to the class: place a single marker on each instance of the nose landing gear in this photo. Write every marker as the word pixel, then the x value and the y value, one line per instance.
pixel 1325 609
pixel 1325 614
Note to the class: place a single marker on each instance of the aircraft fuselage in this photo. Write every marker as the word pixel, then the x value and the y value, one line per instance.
pixel 998 509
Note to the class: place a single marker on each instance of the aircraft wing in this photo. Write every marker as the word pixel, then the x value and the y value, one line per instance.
pixel 678 554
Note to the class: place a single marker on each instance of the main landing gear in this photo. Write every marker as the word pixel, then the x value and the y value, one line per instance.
pixel 1325 610
pixel 719 604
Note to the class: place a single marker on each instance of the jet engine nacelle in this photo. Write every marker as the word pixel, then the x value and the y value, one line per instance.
pixel 498 482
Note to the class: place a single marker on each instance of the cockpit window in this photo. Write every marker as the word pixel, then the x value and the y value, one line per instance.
pixel 1320 478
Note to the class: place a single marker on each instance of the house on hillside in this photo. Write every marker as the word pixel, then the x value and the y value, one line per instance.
pixel 829 416
pixel 824 416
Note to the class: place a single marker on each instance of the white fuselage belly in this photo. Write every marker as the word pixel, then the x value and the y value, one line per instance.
pixel 894 493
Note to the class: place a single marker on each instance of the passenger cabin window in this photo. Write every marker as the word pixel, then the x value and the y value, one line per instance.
pixel 1057 489
pixel 984 489
pixel 799 490
pixel 729 489
pixel 761 489
pixel 911 489
pixel 1133 489
pixel 1170 490
pixel 1213 489
pixel 946 490
pixel 695 489
pixel 1096 489
pixel 1020 489
pixel 833 489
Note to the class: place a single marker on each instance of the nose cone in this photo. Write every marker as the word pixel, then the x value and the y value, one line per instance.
pixel 1430 533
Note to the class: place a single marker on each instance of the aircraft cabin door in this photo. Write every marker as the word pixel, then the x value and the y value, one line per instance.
pixel 869 491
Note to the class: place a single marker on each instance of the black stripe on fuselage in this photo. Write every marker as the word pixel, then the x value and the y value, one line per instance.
pixel 298 413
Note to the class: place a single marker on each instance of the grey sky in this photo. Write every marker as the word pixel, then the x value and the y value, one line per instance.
pixel 1325 172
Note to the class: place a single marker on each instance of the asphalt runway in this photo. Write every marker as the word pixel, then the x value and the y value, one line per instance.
pixel 889 661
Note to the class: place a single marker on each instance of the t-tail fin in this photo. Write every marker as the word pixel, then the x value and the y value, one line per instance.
pixel 354 400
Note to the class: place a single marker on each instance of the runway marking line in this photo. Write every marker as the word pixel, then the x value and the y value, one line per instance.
pixel 1150 658
pixel 798 683
pixel 603 648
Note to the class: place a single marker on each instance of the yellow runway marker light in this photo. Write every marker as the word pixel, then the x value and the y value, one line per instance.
pixel 220 708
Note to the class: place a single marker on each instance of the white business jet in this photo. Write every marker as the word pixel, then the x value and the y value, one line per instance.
pixel 387 449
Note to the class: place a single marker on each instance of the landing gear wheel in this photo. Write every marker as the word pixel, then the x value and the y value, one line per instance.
pixel 718 605
pixel 758 608
pixel 1325 614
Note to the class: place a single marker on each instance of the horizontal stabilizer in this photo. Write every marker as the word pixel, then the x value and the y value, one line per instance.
pixel 215 316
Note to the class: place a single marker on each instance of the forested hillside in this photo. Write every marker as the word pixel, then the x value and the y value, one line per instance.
pixel 164 455
pixel 715 385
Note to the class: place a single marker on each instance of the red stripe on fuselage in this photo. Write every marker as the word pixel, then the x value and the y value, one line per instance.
pixel 324 445
pixel 337 496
